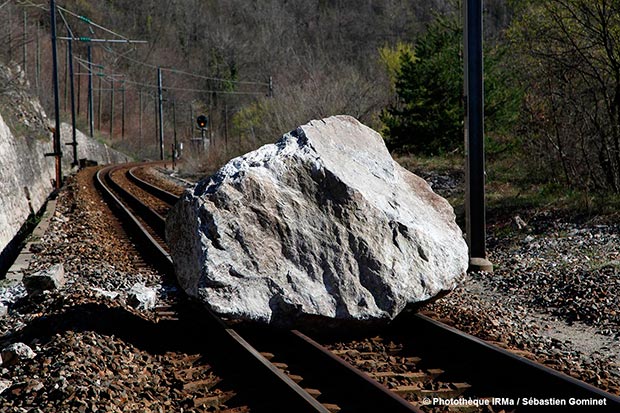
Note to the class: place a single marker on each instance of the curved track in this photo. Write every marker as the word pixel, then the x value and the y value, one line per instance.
pixel 306 376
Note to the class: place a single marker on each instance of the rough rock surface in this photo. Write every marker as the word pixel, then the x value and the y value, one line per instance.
pixel 25 173
pixel 321 223
pixel 15 352
pixel 142 297
pixel 50 279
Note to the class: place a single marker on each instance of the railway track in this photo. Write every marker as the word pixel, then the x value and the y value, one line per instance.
pixel 386 370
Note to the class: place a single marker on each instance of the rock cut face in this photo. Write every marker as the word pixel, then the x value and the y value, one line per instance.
pixel 321 223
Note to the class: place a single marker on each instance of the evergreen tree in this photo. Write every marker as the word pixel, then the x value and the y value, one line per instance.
pixel 428 114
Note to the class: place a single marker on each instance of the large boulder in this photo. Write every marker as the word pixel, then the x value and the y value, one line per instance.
pixel 321 223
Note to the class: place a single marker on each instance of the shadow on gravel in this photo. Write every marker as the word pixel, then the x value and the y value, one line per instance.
pixel 155 338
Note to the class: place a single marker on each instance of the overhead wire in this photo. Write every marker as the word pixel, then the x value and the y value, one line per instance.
pixel 245 82
pixel 142 63
pixel 90 22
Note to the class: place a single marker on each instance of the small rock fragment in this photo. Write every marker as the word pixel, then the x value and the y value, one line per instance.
pixel 12 353
pixel 4 310
pixel 105 293
pixel 142 297
pixel 519 222
pixel 50 279
pixel 5 384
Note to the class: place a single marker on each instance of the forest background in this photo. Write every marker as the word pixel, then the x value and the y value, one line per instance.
pixel 259 68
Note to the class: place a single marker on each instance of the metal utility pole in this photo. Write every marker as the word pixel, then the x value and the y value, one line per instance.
pixel 141 116
pixel 24 44
pixel 99 105
pixel 123 111
pixel 156 124
pixel 474 138
pixel 225 125
pixel 72 90
pixel 191 121
pixel 65 101
pixel 37 70
pixel 91 117
pixel 57 148
pixel 79 90
pixel 10 38
pixel 174 128
pixel 160 100
pixel 112 109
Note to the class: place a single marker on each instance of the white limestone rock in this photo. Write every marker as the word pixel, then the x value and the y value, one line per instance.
pixel 50 279
pixel 4 310
pixel 5 384
pixel 321 223
pixel 15 352
pixel 142 297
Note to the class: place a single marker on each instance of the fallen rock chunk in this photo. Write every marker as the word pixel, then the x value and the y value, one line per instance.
pixel 322 223
pixel 4 310
pixel 142 297
pixel 15 352
pixel 5 384
pixel 105 293
pixel 50 279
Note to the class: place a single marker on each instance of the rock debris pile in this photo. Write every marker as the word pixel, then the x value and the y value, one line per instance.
pixel 553 296
pixel 322 223
pixel 84 347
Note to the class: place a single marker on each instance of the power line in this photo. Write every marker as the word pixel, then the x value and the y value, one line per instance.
pixel 147 85
pixel 183 72
pixel 90 22
pixel 245 82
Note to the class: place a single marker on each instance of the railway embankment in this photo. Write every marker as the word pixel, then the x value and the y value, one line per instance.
pixel 26 174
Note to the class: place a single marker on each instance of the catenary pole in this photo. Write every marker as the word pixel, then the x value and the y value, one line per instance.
pixel 99 103
pixel 91 117
pixel 160 100
pixel 24 44
pixel 123 111
pixel 57 147
pixel 140 119
pixel 474 138
pixel 72 95
pixel 112 110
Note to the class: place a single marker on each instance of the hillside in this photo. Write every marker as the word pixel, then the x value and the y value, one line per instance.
pixel 322 57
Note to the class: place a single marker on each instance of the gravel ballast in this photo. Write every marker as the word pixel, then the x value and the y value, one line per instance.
pixel 553 298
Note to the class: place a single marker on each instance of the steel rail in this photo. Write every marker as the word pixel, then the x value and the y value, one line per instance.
pixel 158 254
pixel 369 393
pixel 163 195
pixel 491 370
pixel 237 349
pixel 499 372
